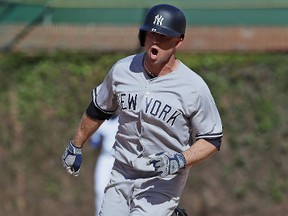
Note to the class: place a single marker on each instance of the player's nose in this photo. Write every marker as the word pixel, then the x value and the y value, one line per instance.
pixel 155 38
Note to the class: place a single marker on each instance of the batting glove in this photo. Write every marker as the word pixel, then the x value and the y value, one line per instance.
pixel 167 163
pixel 72 159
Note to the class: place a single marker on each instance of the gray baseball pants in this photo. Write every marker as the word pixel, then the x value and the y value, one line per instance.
pixel 136 193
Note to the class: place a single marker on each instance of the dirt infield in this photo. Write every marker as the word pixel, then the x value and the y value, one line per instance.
pixel 124 38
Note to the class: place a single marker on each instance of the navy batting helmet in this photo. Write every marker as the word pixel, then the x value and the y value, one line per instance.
pixel 163 19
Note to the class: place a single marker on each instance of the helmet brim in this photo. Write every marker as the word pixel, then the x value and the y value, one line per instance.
pixel 159 30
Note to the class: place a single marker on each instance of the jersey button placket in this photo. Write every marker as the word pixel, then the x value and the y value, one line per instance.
pixel 147 92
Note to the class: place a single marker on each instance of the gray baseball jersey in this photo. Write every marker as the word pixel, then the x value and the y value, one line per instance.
pixel 156 114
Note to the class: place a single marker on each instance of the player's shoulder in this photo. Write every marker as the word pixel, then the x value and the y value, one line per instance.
pixel 128 60
pixel 191 82
pixel 189 75
pixel 129 65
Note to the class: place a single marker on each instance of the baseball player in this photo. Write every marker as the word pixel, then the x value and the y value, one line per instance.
pixel 104 138
pixel 160 102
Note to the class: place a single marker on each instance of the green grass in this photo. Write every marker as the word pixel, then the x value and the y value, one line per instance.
pixel 42 97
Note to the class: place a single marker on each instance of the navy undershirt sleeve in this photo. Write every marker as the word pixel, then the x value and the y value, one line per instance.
pixel 216 142
pixel 95 113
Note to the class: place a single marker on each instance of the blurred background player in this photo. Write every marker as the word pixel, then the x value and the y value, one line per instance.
pixel 103 139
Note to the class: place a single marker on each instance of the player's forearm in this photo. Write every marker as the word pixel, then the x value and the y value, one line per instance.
pixel 85 129
pixel 198 152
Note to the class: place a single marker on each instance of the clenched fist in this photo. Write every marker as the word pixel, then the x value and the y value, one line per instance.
pixel 167 163
pixel 72 159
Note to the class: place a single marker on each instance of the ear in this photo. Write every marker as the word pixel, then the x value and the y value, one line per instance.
pixel 141 37
pixel 179 42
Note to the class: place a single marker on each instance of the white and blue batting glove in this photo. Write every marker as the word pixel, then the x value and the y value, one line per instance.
pixel 167 163
pixel 72 159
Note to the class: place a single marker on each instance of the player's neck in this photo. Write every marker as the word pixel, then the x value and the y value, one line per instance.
pixel 155 70
pixel 151 74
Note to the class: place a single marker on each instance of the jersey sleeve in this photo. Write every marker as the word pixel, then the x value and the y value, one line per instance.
pixel 206 119
pixel 103 96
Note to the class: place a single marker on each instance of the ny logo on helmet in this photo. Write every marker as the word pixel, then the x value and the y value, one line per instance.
pixel 158 20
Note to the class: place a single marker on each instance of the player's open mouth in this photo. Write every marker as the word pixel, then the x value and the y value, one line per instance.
pixel 154 51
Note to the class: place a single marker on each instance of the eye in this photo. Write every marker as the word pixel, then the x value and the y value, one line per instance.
pixel 164 37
